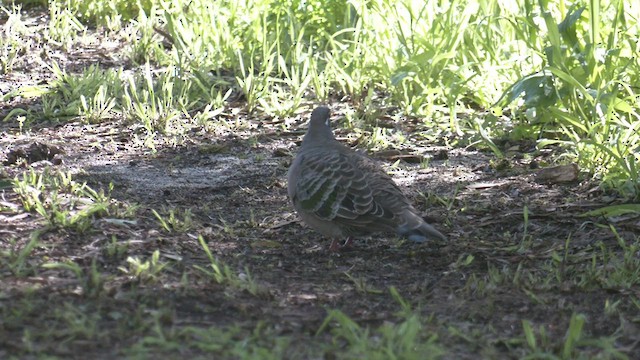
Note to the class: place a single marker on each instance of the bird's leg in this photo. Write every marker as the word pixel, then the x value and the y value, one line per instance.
pixel 336 245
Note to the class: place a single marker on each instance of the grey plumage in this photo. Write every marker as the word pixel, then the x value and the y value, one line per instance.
pixel 341 193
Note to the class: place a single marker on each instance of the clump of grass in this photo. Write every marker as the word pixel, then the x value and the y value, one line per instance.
pixel 403 340
pixel 174 221
pixel 581 97
pixel 63 202
pixel 222 274
pixel 144 270
pixel 64 27
pixel 224 342
pixel 575 343
pixel 90 279
pixel 15 259
pixel 90 96
pixel 152 102
pixel 602 266
pixel 109 13
pixel 13 41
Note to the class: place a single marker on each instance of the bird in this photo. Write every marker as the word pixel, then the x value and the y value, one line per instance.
pixel 342 193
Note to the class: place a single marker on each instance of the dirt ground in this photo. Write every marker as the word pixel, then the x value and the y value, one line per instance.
pixel 233 180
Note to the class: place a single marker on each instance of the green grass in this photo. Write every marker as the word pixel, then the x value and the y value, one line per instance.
pixel 63 202
pixel 554 72
pixel 407 339
pixel 14 41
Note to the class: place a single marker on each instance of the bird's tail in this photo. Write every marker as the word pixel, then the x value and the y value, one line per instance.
pixel 417 230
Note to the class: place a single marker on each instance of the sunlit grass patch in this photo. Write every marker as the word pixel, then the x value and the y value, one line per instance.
pixel 582 96
pixel 64 203
pixel 565 74
pixel 13 42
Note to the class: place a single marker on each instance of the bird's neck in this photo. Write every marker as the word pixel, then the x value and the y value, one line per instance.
pixel 318 138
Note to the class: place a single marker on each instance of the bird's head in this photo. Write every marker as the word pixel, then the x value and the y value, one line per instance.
pixel 319 127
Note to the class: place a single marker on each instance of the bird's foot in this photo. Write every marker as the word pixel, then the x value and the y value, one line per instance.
pixel 336 246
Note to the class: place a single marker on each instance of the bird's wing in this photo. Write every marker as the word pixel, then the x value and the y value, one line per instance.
pixel 334 186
